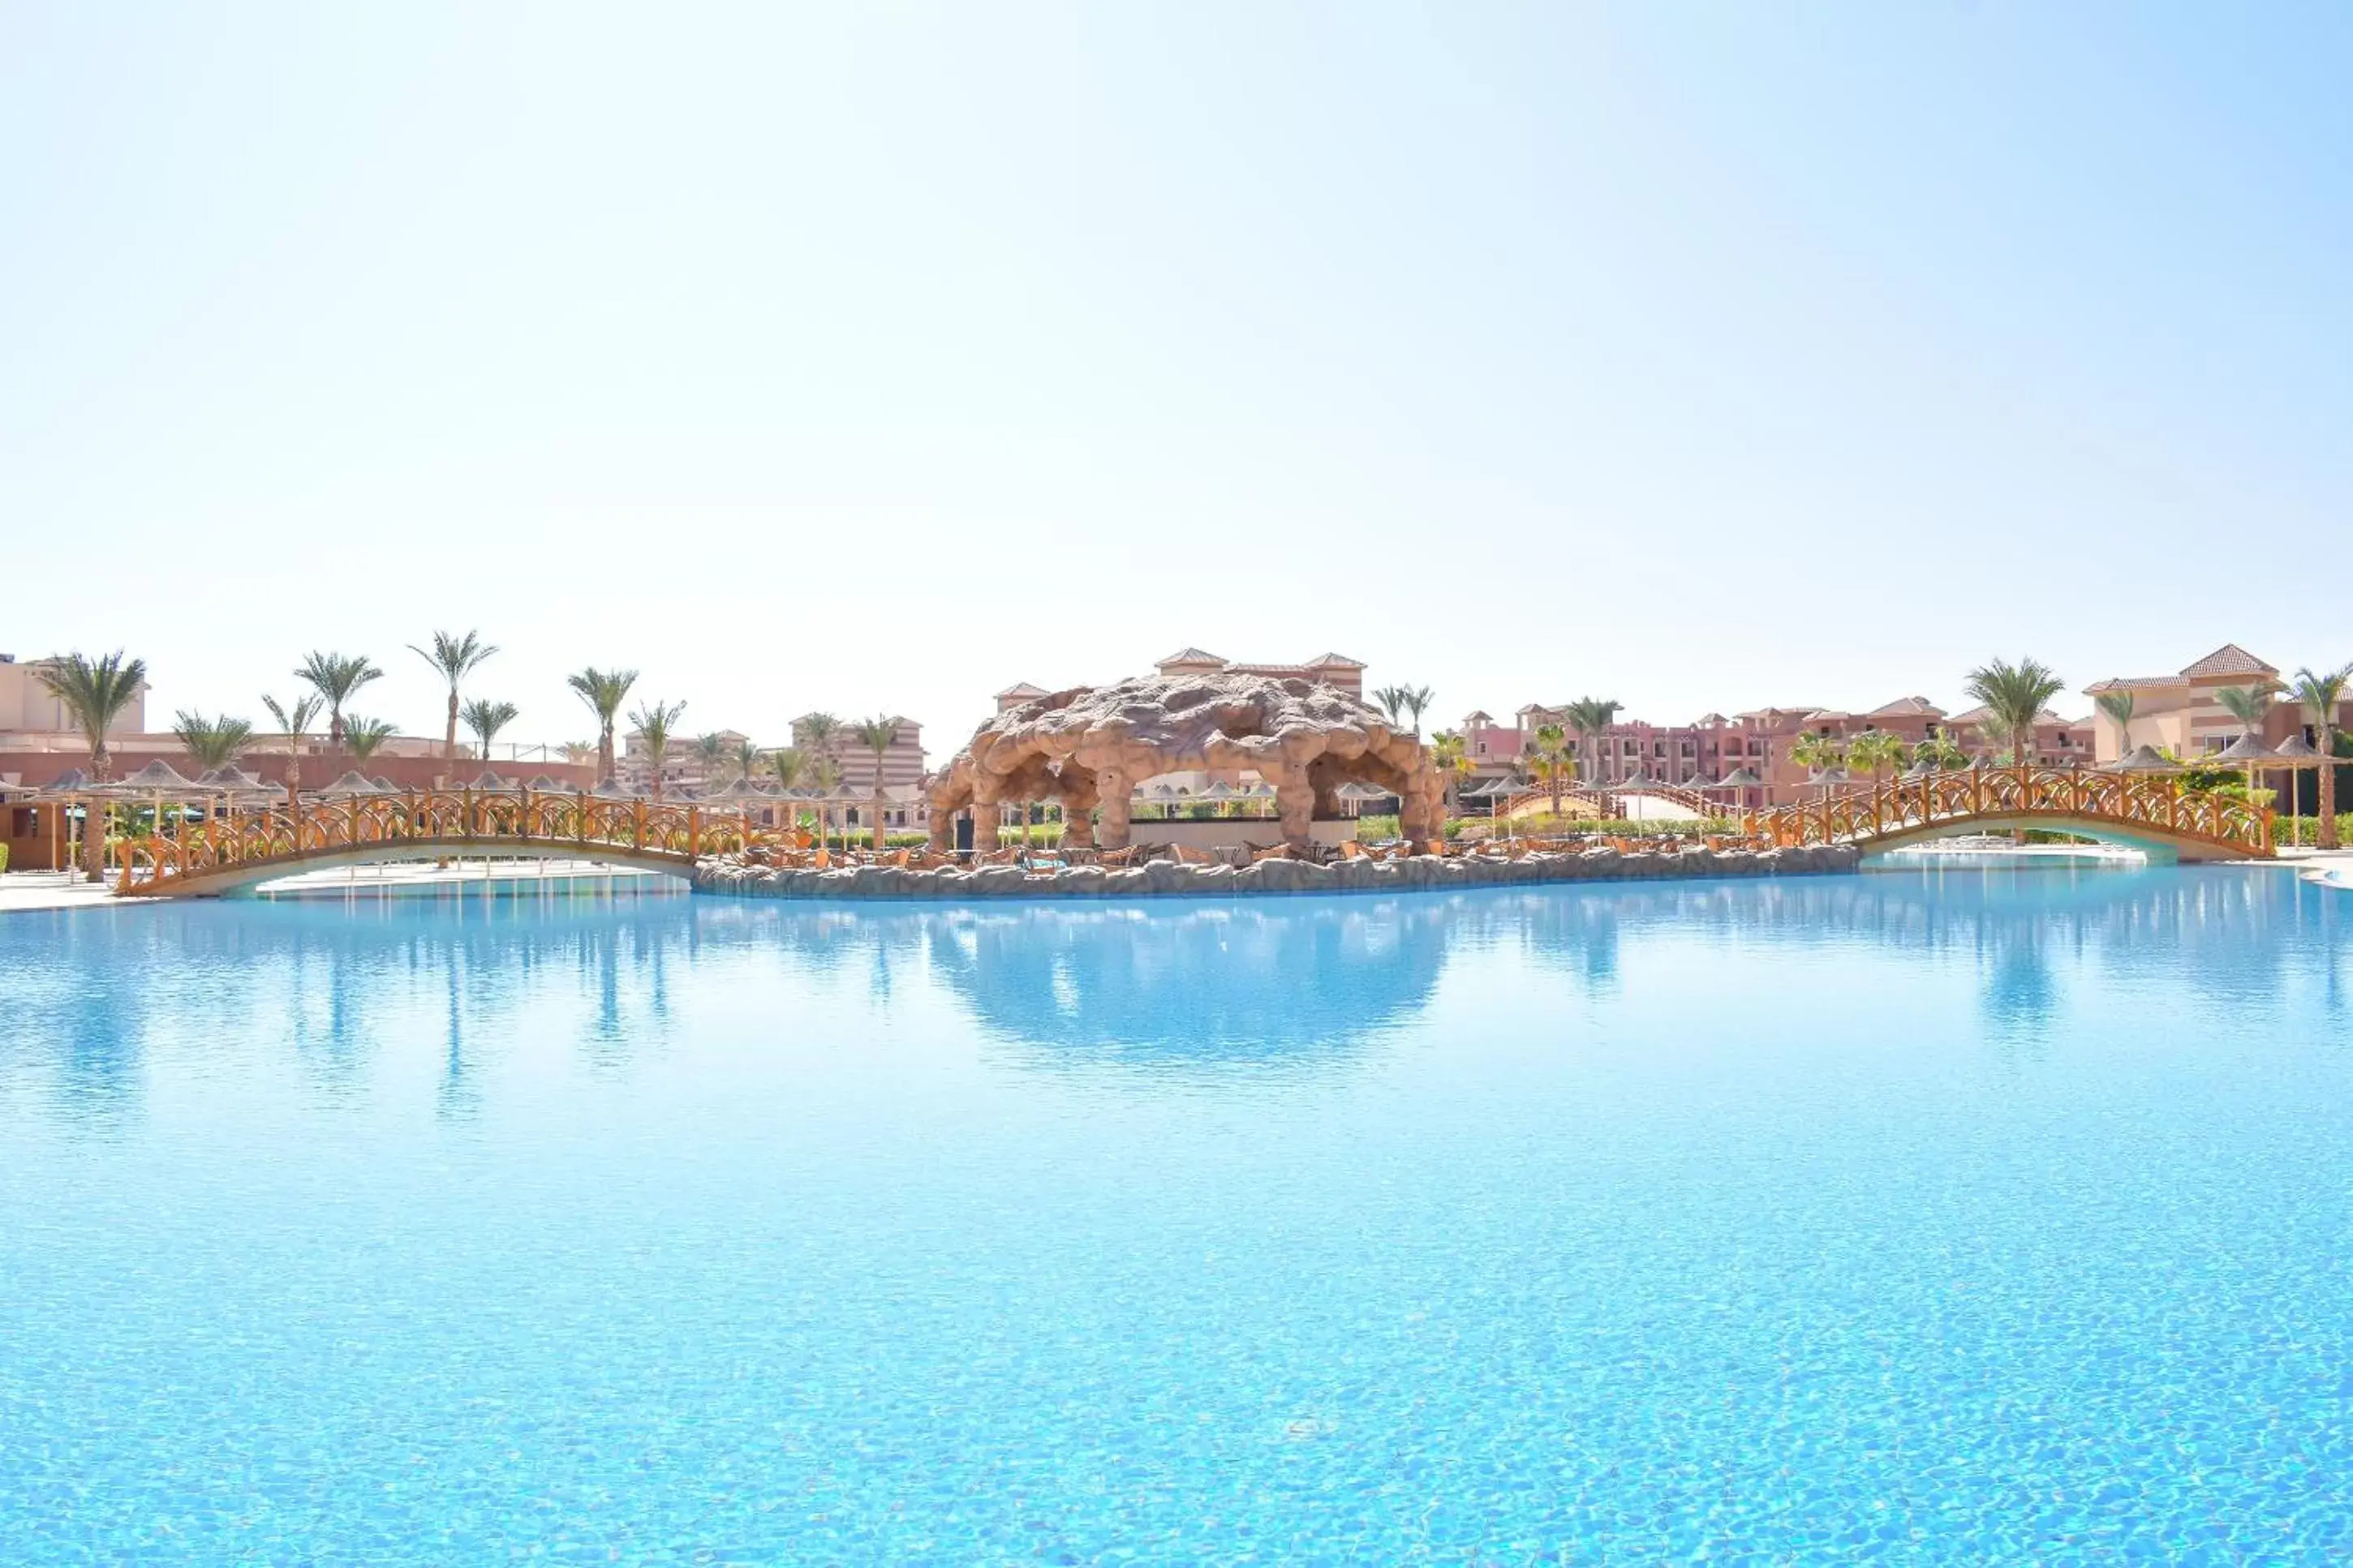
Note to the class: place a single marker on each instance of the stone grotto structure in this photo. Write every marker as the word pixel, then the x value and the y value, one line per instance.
pixel 1090 747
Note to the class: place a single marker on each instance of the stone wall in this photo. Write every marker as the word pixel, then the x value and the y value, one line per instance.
pixel 727 875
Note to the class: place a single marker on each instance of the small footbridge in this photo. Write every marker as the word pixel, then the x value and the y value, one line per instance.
pixel 237 851
pixel 2150 812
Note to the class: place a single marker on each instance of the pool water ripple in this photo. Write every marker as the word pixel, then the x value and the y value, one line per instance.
pixel 1952 1216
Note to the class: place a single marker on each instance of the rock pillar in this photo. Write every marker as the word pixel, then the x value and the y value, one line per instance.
pixel 943 827
pixel 1078 821
pixel 1110 788
pixel 1295 803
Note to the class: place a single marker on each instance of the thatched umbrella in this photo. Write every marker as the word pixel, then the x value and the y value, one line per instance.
pixel 2298 754
pixel 2146 759
pixel 2247 752
pixel 352 783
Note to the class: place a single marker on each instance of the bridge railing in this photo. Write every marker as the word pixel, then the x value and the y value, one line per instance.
pixel 437 821
pixel 2153 803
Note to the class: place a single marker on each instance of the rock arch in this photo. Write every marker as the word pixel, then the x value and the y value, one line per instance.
pixel 1089 747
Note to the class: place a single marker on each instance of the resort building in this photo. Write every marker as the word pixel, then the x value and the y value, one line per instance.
pixel 28 707
pixel 1337 670
pixel 1761 740
pixel 2183 713
pixel 903 764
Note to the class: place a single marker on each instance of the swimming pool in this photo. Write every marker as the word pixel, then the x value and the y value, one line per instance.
pixel 1947 1216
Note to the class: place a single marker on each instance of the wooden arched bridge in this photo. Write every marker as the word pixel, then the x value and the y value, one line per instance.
pixel 2153 812
pixel 245 847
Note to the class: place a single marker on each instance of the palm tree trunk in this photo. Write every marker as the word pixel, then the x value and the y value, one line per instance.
pixel 450 739
pixel 2327 787
pixel 94 820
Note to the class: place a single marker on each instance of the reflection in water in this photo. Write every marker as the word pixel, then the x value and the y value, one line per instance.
pixel 1203 980
pixel 1211 982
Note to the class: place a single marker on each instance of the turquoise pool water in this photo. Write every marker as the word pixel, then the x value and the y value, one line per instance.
pixel 1958 1217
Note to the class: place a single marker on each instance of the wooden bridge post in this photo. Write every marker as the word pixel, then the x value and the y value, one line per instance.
pixel 693 832
pixel 638 824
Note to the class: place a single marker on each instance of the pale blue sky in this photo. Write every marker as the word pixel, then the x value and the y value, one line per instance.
pixel 1699 355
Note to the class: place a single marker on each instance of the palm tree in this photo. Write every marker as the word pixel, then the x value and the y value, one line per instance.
pixel 1941 748
pixel 826 775
pixel 2119 707
pixel 1876 751
pixel 788 763
pixel 486 718
pixel 2014 696
pixel 1589 716
pixel 1451 758
pixel 746 759
pixel 211 743
pixel 2250 705
pixel 654 720
pixel 294 716
pixel 336 677
pixel 363 738
pixel 1550 759
pixel 455 657
pixel 819 731
pixel 876 735
pixel 710 752
pixel 1404 704
pixel 604 691
pixel 94 692
pixel 1818 751
pixel 579 752
pixel 2319 695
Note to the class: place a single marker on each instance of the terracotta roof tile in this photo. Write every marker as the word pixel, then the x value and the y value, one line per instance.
pixel 2229 659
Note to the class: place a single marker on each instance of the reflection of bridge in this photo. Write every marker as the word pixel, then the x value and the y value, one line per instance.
pixel 2148 811
pixel 221 855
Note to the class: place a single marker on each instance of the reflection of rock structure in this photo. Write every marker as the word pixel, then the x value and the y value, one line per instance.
pixel 1262 982
pixel 1090 746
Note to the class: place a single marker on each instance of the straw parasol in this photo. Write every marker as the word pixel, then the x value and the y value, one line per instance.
pixel 352 783
pixel 489 780
pixel 613 789
pixel 1740 778
pixel 1637 779
pixel 543 784
pixel 2145 759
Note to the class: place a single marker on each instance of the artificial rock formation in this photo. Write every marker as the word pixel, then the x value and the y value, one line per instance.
pixel 1089 747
